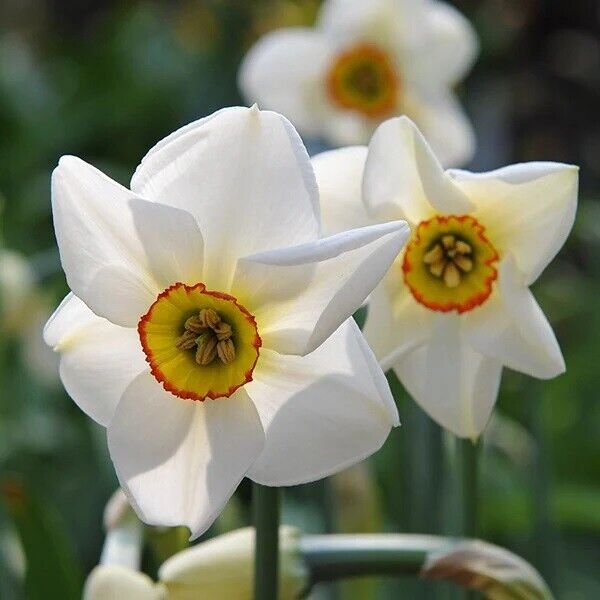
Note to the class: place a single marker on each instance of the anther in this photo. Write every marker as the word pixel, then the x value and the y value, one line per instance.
pixel 448 241
pixel 434 255
pixel 451 275
pixel 209 317
pixel 463 247
pixel 194 324
pixel 222 330
pixel 463 263
pixel 226 350
pixel 207 349
pixel 437 268
pixel 186 341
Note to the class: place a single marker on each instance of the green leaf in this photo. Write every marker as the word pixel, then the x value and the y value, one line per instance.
pixel 52 571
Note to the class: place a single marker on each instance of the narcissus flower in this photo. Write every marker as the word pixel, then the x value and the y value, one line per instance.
pixel 208 325
pixel 365 62
pixel 455 306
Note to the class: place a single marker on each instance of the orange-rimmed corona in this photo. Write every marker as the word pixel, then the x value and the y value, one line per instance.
pixel 450 264
pixel 363 78
pixel 199 343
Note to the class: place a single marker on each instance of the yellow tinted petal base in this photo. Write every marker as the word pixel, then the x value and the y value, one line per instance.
pixel 175 365
pixel 450 264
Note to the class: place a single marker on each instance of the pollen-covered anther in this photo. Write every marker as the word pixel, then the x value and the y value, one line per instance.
pixel 448 260
pixel 206 351
pixel 226 350
pixel 208 317
pixel 210 335
pixel 187 341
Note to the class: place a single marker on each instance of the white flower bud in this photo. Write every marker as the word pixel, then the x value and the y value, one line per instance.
pixel 223 567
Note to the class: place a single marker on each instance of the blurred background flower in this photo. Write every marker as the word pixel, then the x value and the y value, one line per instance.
pixel 365 62
pixel 77 77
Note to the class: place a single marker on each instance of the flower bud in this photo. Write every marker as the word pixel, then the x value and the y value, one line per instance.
pixel 116 582
pixel 223 567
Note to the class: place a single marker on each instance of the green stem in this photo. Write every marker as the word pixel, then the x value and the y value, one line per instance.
pixel 266 508
pixel 331 557
pixel 468 453
pixel 468 457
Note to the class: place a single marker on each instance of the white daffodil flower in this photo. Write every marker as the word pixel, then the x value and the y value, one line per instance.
pixel 365 62
pixel 455 307
pixel 208 328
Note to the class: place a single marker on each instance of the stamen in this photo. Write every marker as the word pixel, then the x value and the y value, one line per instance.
pixel 209 335
pixel 463 247
pixel 434 255
pixel 222 330
pixel 448 260
pixel 464 264
pixel 195 324
pixel 187 341
pixel 451 275
pixel 207 349
pixel 226 350
pixel 437 268
pixel 448 241
pixel 209 317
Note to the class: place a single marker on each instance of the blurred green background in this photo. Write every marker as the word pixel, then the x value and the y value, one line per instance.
pixel 105 81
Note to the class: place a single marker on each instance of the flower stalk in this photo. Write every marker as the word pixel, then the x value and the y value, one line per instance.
pixel 468 455
pixel 266 508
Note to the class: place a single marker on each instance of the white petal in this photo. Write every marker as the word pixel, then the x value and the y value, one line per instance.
pixel 445 126
pixel 171 240
pixel 339 177
pixel 346 127
pixel 246 178
pixel 179 461
pixel 528 209
pixel 512 328
pixel 101 253
pixel 322 412
pixel 112 582
pixel 284 71
pixel 301 295
pixel 446 48
pixel 98 359
pixel 379 21
pixel 396 322
pixel 404 179
pixel 451 382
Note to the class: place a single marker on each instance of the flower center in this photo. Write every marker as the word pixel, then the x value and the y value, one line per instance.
pixel 363 78
pixel 199 343
pixel 450 264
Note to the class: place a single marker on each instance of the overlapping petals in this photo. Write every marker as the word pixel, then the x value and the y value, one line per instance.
pixel 179 461
pixel 355 410
pixel 404 179
pixel 230 202
pixel 245 177
pixel 530 207
pixel 98 359
pixel 303 294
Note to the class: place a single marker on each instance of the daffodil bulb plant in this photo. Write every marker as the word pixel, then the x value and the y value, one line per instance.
pixel 209 325
pixel 455 307
pixel 364 62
